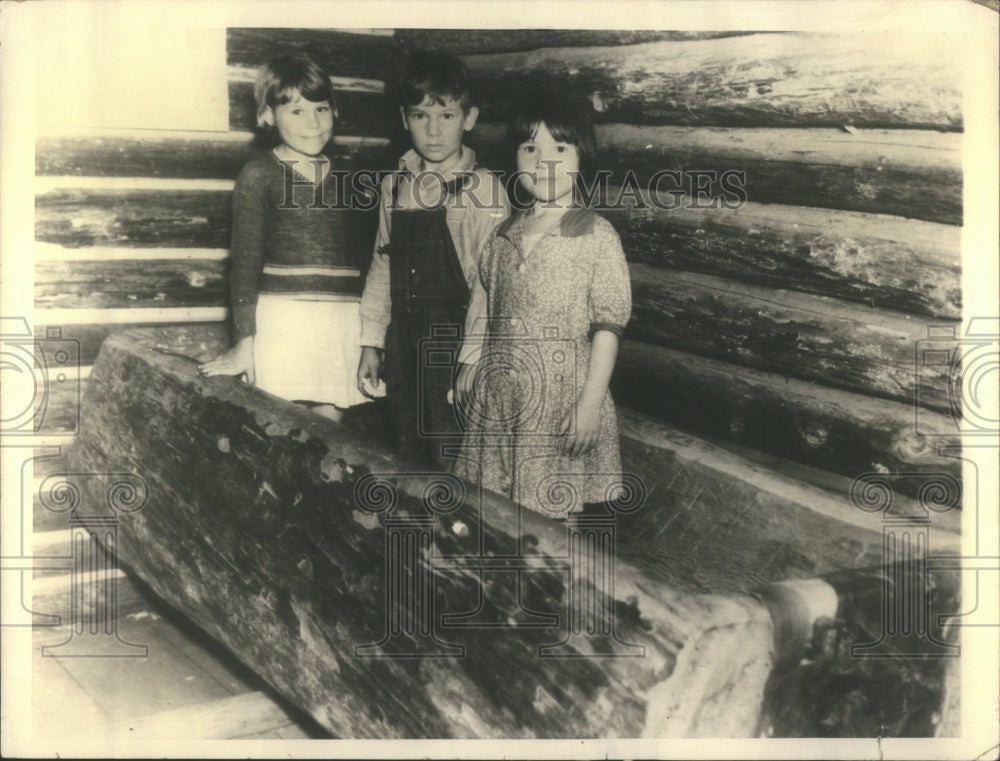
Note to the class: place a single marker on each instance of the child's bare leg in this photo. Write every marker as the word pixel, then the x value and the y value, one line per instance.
pixel 331 411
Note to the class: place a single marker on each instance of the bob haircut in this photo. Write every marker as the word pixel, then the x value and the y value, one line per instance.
pixel 566 118
pixel 280 76
pixel 437 75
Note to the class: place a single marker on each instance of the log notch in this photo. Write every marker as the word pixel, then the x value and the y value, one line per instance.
pixel 909 173
pixel 773 80
pixel 280 562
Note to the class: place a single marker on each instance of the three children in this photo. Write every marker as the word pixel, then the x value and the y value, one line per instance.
pixel 550 283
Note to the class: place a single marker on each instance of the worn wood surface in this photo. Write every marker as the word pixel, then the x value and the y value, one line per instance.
pixel 122 283
pixel 340 54
pixel 110 217
pixel 773 80
pixel 463 41
pixel 172 154
pixel 815 338
pixel 252 528
pixel 884 262
pixel 909 173
pixel 835 430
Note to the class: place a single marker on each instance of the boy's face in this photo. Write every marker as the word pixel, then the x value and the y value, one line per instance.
pixel 436 131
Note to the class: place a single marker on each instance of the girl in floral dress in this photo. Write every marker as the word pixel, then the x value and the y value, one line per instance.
pixel 541 428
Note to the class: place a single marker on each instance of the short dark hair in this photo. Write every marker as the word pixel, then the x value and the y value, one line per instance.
pixel 566 117
pixel 437 75
pixel 288 72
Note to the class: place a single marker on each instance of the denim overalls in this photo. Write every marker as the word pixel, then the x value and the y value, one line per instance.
pixel 430 298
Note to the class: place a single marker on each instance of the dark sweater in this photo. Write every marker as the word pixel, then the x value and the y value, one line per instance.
pixel 273 224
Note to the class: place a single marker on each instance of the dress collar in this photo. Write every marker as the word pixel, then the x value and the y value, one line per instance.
pixel 576 222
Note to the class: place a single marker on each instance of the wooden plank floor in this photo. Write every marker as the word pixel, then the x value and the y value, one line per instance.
pixel 183 687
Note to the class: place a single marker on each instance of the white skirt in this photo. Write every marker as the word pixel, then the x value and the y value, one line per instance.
pixel 307 349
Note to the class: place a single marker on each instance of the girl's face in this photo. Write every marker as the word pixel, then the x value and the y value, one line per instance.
pixel 303 125
pixel 548 166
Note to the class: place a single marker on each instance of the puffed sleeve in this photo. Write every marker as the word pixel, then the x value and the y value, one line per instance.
pixel 610 287
pixel 250 214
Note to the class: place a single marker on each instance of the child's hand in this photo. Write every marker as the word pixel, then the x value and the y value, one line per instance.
pixel 236 361
pixel 580 426
pixel 369 371
pixel 464 381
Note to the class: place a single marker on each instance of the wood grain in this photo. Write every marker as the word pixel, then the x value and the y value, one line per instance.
pixel 774 80
pixel 833 430
pixel 908 173
pixel 815 338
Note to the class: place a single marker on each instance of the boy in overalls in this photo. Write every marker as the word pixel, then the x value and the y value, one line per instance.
pixel 423 288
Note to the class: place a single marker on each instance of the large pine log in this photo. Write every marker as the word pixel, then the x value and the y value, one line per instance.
pixel 815 338
pixel 252 529
pixel 774 80
pixel 170 154
pixel 886 263
pixel 907 173
pixel 340 54
pixel 462 41
pixel 849 434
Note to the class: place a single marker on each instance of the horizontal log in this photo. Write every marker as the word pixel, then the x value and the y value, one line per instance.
pixel 819 339
pixel 134 216
pixel 886 263
pixel 340 54
pixel 773 80
pixel 358 113
pixel 171 154
pixel 907 173
pixel 463 41
pixel 836 431
pixel 287 569
pixel 89 217
pixel 96 284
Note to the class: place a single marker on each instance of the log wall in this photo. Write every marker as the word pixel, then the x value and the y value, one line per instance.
pixel 821 282
pixel 782 330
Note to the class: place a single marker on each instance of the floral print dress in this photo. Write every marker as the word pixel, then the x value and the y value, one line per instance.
pixel 544 308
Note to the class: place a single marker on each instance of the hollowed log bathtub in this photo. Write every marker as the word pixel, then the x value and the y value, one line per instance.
pixel 719 602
